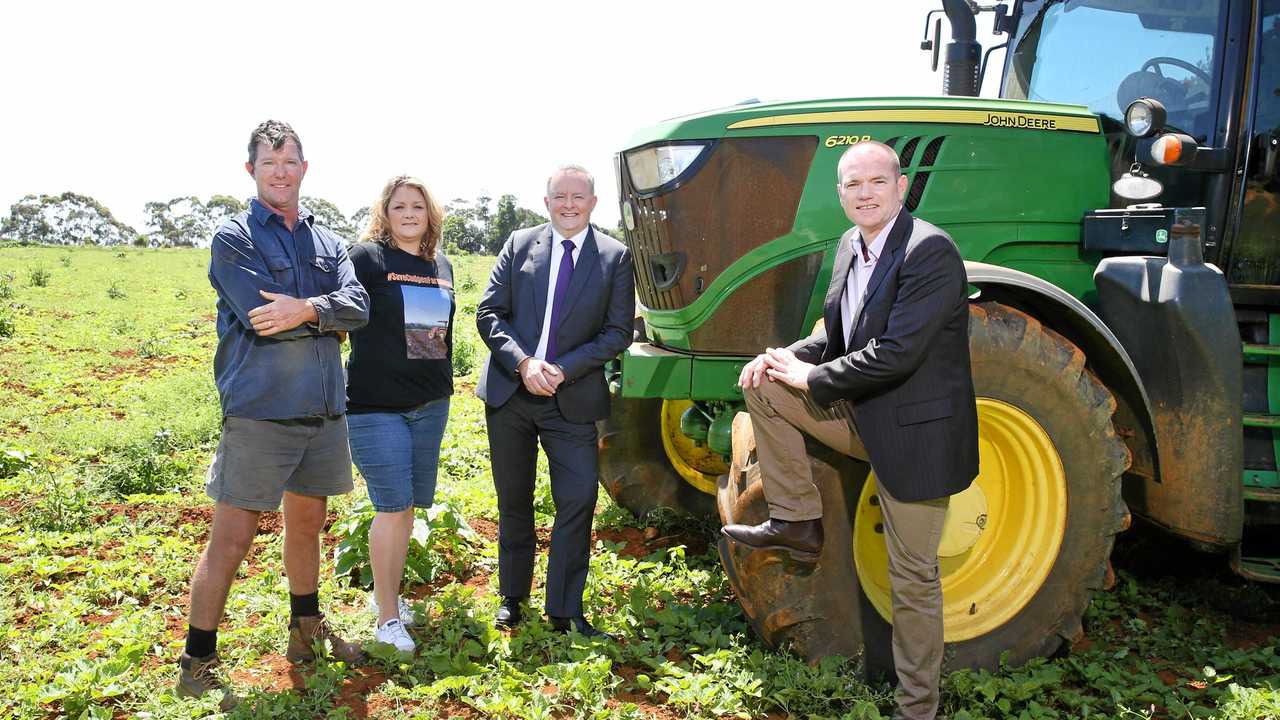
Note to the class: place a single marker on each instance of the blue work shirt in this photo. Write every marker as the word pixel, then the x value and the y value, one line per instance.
pixel 296 373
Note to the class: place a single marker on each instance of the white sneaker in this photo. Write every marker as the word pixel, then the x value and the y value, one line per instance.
pixel 402 609
pixel 392 632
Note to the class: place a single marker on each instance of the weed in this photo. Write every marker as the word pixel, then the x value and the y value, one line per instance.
pixel 145 468
pixel 65 260
pixel 152 346
pixel 441 541
pixel 468 284
pixel 60 502
pixel 179 294
pixel 464 355
pixel 122 327
pixel 14 461
pixel 115 292
pixel 6 286
pixel 38 276
pixel 8 327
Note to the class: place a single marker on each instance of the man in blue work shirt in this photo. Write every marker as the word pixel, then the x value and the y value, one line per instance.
pixel 285 290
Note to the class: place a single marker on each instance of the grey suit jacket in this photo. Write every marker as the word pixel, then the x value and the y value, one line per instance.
pixel 906 371
pixel 595 326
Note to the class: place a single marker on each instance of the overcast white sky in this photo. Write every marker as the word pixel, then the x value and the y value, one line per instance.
pixel 131 102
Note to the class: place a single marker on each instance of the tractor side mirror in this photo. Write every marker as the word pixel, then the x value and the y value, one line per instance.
pixel 933 44
pixel 937 42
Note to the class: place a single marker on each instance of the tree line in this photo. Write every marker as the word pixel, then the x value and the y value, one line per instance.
pixel 477 226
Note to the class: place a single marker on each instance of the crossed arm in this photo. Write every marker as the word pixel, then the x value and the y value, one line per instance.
pixel 244 281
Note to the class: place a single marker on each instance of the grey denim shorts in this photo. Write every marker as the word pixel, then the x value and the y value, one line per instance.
pixel 258 460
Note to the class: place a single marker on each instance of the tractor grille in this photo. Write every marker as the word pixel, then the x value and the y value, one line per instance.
pixel 745 195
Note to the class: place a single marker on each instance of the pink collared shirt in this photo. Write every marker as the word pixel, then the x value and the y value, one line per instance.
pixel 860 270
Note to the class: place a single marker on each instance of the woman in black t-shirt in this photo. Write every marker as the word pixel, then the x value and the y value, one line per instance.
pixel 399 379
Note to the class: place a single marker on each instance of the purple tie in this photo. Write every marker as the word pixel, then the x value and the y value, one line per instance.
pixel 557 298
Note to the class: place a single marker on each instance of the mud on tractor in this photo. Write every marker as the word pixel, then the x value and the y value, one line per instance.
pixel 1117 208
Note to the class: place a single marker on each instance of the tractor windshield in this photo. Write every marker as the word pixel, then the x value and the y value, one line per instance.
pixel 1107 53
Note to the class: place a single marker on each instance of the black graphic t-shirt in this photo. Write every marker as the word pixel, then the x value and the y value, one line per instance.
pixel 401 359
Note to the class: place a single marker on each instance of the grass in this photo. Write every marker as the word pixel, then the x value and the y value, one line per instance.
pixel 108 417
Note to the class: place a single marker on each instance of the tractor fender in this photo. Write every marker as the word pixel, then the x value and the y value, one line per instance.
pixel 1107 357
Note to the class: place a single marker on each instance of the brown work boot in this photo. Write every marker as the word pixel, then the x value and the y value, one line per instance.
pixel 309 629
pixel 199 675
pixel 801 539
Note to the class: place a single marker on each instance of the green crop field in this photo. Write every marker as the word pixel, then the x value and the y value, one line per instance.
pixel 108 417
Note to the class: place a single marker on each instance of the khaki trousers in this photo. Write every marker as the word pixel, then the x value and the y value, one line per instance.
pixel 781 416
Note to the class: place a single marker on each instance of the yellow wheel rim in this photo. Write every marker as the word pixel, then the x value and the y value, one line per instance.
pixel 1001 536
pixel 699 466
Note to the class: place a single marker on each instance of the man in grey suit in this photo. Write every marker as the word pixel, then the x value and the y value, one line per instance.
pixel 559 305
pixel 887 379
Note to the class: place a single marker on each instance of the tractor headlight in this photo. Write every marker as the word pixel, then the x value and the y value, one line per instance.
pixel 1144 117
pixel 656 165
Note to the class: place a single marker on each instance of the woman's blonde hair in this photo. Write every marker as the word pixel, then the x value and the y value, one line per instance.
pixel 377 230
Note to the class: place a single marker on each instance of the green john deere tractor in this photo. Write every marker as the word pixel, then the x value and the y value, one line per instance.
pixel 1119 213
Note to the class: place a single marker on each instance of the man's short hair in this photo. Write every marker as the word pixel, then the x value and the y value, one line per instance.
pixel 577 170
pixel 897 164
pixel 275 134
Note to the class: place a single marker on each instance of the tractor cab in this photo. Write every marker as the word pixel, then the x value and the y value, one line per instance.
pixel 1213 68
pixel 1188 98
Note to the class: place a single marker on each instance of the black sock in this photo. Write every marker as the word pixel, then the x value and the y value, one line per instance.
pixel 201 643
pixel 303 605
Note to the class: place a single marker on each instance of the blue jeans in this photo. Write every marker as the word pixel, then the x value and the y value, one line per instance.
pixel 398 454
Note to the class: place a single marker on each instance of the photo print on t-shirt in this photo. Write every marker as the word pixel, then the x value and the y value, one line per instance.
pixel 426 322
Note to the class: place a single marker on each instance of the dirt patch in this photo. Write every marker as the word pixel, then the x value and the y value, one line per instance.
pixel 355 691
pixel 17 387
pixel 124 354
pixel 1247 635
pixel 99 618
pixel 629 692
pixel 639 543
pixel 486 529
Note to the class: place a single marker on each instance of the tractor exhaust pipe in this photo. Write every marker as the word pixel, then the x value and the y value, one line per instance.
pixel 964 54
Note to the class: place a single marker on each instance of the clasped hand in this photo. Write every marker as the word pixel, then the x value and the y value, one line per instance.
pixel 284 312
pixel 540 377
pixel 776 364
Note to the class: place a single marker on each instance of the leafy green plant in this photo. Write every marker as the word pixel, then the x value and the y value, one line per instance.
pixel 14 461
pixel 66 260
pixel 464 355
pixel 149 467
pixel 38 276
pixel 441 541
pixel 83 688
pixel 6 286
pixel 60 502
pixel 115 292
pixel 153 346
pixel 8 327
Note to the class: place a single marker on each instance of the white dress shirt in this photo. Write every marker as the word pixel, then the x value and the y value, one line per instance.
pixel 855 286
pixel 557 252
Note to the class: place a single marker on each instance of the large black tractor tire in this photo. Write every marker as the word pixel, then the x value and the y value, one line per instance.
pixel 825 610
pixel 634 469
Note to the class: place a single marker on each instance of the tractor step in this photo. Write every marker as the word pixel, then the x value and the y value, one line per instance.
pixel 1262 420
pixel 1254 353
pixel 1258 569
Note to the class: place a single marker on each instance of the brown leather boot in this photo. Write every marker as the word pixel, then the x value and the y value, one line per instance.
pixel 801 539
pixel 199 675
pixel 307 630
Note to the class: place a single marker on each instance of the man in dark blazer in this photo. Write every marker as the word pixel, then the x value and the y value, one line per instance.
pixel 559 305
pixel 886 379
